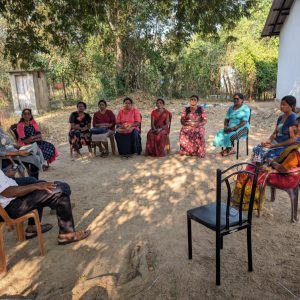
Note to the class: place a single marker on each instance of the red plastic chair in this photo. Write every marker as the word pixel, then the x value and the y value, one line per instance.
pixel 293 192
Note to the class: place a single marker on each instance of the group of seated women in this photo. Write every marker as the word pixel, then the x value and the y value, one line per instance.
pixel 30 151
pixel 126 128
pixel 278 158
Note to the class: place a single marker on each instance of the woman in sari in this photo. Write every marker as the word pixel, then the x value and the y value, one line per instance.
pixel 191 139
pixel 236 125
pixel 282 136
pixel 104 122
pixel 160 129
pixel 288 161
pixel 79 133
pixel 128 135
pixel 13 156
pixel 29 132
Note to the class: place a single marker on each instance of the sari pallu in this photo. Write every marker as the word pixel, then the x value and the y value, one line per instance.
pixel 156 142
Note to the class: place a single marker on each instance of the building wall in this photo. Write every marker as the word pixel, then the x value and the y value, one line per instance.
pixel 288 79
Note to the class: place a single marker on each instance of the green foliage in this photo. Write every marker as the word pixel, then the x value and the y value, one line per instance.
pixel 165 47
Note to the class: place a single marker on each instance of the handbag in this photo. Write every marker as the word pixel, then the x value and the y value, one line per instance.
pixel 101 130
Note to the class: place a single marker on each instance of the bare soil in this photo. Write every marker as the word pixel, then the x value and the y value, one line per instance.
pixel 136 210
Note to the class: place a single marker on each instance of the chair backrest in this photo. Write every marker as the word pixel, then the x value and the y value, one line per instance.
pixel 228 177
pixel 13 131
pixel 5 216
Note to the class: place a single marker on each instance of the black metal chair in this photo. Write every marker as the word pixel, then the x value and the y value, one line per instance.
pixel 242 137
pixel 223 218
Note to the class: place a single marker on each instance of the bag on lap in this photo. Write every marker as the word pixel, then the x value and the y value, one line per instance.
pixel 98 130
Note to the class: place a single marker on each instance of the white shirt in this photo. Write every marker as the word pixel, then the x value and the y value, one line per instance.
pixel 5 182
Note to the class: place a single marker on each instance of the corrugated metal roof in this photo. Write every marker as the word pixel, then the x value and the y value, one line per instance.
pixel 279 11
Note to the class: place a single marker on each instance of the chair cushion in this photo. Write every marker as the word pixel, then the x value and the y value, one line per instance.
pixel 206 215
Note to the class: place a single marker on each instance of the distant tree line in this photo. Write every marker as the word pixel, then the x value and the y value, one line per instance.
pixel 164 47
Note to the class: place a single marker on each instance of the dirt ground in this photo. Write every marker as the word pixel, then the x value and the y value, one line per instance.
pixel 136 210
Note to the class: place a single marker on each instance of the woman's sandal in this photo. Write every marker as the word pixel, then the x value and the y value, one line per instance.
pixel 63 239
pixel 45 167
pixel 33 233
pixel 104 154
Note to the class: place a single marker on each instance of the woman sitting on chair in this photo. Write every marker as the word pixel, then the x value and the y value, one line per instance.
pixel 288 161
pixel 283 135
pixel 236 125
pixel 128 136
pixel 104 122
pixel 29 133
pixel 191 139
pixel 160 129
pixel 12 156
pixel 79 134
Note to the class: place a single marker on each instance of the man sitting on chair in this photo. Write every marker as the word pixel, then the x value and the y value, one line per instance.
pixel 19 200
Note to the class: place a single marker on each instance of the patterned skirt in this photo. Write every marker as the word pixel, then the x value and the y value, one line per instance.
pixel 48 150
pixel 191 141
pixel 79 138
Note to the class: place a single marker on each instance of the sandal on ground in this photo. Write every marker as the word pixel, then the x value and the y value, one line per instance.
pixel 45 167
pixel 230 152
pixel 64 239
pixel 221 154
pixel 104 154
pixel 30 234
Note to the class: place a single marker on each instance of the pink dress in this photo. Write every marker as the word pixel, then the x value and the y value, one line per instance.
pixel 191 139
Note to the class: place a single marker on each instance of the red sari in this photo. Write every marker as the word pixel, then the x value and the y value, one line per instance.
pixel 156 141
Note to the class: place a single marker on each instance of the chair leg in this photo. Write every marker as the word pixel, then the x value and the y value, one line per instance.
pixel 189 228
pixel 113 145
pixel 20 231
pixel 249 248
pixel 94 146
pixel 3 268
pixel 273 194
pixel 296 203
pixel 39 233
pixel 293 193
pixel 237 148
pixel 218 260
pixel 247 145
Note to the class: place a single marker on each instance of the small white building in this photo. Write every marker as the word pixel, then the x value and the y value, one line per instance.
pixel 29 90
pixel 284 21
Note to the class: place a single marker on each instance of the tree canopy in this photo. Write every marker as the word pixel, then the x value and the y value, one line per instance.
pixel 166 47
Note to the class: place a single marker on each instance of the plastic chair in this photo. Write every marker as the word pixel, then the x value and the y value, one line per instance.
pixel 112 145
pixel 20 232
pixel 293 193
pixel 223 218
